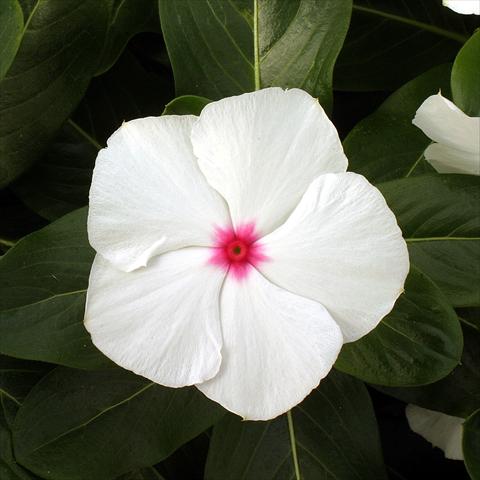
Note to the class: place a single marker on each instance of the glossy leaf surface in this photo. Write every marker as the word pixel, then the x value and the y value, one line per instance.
pixel 186 105
pixel 392 41
pixel 55 60
pixel 60 181
pixel 43 282
pixel 457 394
pixel 335 437
pixel 126 18
pixel 11 20
pixel 466 77
pixel 119 421
pixel 386 145
pixel 219 48
pixel 418 342
pixel 440 220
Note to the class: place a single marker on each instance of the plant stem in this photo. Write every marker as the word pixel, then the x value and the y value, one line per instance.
pixel 256 53
pixel 7 243
pixel 293 444
pixel 84 134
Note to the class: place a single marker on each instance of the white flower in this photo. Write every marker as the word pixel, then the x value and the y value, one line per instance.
pixel 235 253
pixel 463 6
pixel 457 136
pixel 441 430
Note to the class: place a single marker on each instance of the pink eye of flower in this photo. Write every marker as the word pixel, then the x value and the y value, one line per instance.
pixel 227 238
pixel 237 250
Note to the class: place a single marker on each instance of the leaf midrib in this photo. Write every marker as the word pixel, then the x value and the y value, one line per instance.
pixel 90 420
pixel 426 347
pixel 80 131
pixel 29 19
pixel 44 300
pixel 413 23
pixel 9 396
pixel 440 239
pixel 256 47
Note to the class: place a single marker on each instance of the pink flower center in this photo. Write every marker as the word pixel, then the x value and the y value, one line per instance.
pixel 237 250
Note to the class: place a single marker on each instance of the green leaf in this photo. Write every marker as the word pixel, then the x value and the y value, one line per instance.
pixel 457 394
pixel 418 342
pixel 219 48
pixel 9 469
pixel 471 444
pixel 390 42
pixel 186 105
pixel 335 436
pixel 470 315
pixel 60 181
pixel 98 425
pixel 43 282
pixel 125 92
pixel 56 58
pixel 440 220
pixel 466 77
pixel 127 18
pixel 386 145
pixel 144 474
pixel 17 377
pixel 16 220
pixel 11 20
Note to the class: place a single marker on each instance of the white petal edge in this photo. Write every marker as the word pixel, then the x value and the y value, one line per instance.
pixel 148 195
pixel 343 248
pixel 457 136
pixel 441 430
pixel 465 7
pixel 261 150
pixel 161 321
pixel 277 347
pixel 451 160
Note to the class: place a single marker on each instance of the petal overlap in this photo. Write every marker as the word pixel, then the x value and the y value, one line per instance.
pixel 343 248
pixel 161 322
pixel 234 253
pixel 277 346
pixel 148 195
pixel 261 150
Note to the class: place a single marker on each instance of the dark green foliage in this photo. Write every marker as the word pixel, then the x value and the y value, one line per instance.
pixel 71 72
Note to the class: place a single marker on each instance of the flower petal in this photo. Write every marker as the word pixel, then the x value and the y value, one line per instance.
pixel 441 430
pixel 457 135
pixel 277 347
pixel 148 195
pixel 465 7
pixel 261 150
pixel 343 248
pixel 162 321
pixel 446 159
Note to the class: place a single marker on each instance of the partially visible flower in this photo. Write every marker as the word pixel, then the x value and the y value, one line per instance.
pixel 463 6
pixel 457 136
pixel 234 253
pixel 441 430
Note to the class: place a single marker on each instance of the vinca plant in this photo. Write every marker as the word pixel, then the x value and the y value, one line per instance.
pixel 239 239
